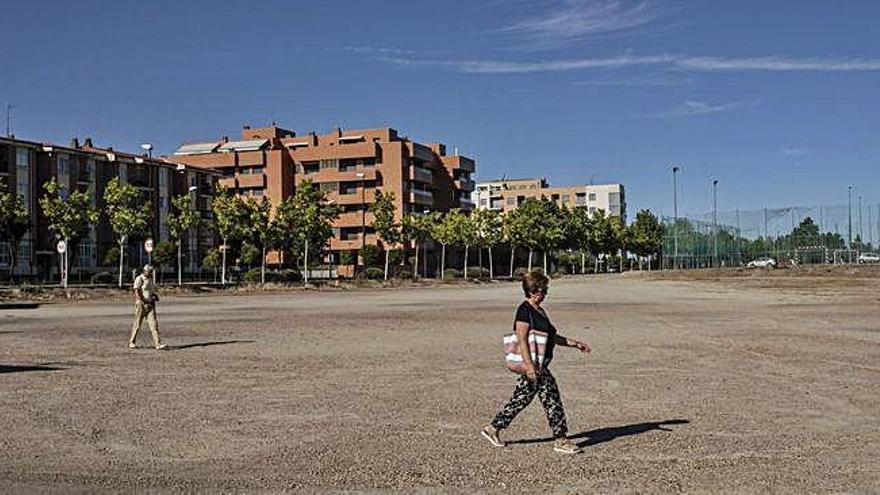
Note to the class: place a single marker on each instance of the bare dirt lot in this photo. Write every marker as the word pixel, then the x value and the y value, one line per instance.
pixel 699 384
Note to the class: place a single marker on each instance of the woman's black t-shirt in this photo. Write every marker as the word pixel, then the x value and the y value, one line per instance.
pixel 538 321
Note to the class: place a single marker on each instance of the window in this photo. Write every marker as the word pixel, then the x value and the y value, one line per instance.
pixel 252 170
pixel 329 186
pixel 227 172
pixel 325 164
pixel 614 198
pixel 580 198
pixel 483 202
pixel 311 167
pixel 592 196
pixel 511 201
pixel 258 192
pixel 566 198
pixel 5 255
pixel 347 165
pixel 23 176
pixel 5 165
pixel 369 162
pixel 592 209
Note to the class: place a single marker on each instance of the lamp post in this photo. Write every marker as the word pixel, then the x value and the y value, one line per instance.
pixel 849 221
pixel 715 223
pixel 360 175
pixel 861 235
pixel 675 215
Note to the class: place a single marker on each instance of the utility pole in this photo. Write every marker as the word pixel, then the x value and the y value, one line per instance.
pixel 715 223
pixel 861 234
pixel 738 238
pixel 675 214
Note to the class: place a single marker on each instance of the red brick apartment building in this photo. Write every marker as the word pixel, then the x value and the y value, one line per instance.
pixel 349 165
pixel 26 165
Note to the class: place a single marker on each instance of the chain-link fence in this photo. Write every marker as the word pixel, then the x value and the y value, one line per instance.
pixel 796 235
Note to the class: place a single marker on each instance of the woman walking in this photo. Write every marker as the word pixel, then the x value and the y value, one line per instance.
pixel 537 379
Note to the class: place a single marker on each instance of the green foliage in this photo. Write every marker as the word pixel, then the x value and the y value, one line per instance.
pixel 646 235
pixel 395 256
pixel 182 219
pixel 477 272
pixel 374 273
pixel 211 259
pixel 129 216
pixel 230 216
pixel 165 253
pixel 346 258
pixel 253 276
pixel 383 222
pixel 602 234
pixel 69 215
pixel 578 228
pixel 14 222
pixel 488 228
pixel 315 216
pixel 372 255
pixel 452 273
pixel 250 255
pixel 522 225
pixel 111 257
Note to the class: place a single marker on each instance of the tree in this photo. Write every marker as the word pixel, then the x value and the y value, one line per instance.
pixel 285 226
pixel 250 254
pixel 69 215
pixel 230 220
pixel 384 224
pixel 262 229
pixel 442 232
pixel 416 227
pixel 602 235
pixel 14 222
pixel 489 230
pixel 127 216
pixel 578 227
pixel 211 261
pixel 551 227
pixel 523 226
pixel 164 254
pixel 316 218
pixel 459 231
pixel 622 240
pixel 181 220
pixel 647 236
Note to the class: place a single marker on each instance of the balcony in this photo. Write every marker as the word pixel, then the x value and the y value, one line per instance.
pixel 251 180
pixel 465 184
pixel 421 197
pixel 353 150
pixel 227 182
pixel 420 174
pixel 421 152
pixel 335 175
pixel 460 162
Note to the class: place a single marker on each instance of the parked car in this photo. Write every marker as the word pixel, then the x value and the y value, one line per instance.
pixel 762 262
pixel 869 258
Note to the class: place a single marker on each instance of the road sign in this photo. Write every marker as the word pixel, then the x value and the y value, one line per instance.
pixel 61 247
pixel 148 245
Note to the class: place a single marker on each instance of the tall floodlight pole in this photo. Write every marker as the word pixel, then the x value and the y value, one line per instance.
pixel 861 234
pixel 849 221
pixel 715 223
pixel 675 214
pixel 8 114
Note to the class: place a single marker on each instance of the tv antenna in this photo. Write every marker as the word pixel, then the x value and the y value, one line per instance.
pixel 9 108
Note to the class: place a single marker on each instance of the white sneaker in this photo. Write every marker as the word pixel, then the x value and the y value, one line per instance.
pixel 566 446
pixel 132 345
pixel 491 434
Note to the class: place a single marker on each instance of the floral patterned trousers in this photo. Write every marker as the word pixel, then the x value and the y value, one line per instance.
pixel 547 391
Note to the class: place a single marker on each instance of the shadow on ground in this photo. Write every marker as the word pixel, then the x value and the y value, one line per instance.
pixel 14 368
pixel 208 344
pixel 602 435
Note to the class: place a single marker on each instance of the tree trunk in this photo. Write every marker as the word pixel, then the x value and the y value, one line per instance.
pixel 491 268
pixel 480 255
pixel 512 258
pixel 530 259
pixel 179 264
pixel 263 268
pixel 596 264
pixel 545 262
pixel 387 253
pixel 416 263
pixel 223 264
pixel 443 263
pixel 583 262
pixel 121 256
pixel 465 260
pixel 306 264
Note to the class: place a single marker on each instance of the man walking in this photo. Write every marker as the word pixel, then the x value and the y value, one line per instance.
pixel 145 299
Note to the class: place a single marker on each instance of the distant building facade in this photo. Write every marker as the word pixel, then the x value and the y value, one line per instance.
pixel 506 194
pixel 350 166
pixel 26 165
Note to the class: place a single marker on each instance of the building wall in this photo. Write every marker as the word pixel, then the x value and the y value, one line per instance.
pixel 506 195
pixel 350 166
pixel 87 168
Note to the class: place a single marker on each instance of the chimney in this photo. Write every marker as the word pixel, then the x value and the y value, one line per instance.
pixel 225 139
pixel 74 143
pixel 88 143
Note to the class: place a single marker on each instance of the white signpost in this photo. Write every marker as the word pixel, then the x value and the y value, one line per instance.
pixel 148 247
pixel 61 247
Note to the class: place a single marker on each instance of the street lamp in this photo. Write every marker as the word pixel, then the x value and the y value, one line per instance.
pixel 675 214
pixel 715 222
pixel 861 235
pixel 361 175
pixel 849 221
pixel 148 148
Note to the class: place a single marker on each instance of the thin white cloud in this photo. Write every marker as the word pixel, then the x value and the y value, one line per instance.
pixel 794 151
pixel 692 108
pixel 693 64
pixel 648 80
pixel 780 64
pixel 377 50
pixel 574 20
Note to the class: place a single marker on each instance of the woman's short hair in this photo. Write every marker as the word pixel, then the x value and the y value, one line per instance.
pixel 534 281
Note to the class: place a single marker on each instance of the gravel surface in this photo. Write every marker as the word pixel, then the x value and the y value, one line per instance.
pixel 692 386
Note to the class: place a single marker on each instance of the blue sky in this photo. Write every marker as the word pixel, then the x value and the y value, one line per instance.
pixel 777 100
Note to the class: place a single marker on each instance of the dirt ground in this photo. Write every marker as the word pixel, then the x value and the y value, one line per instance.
pixel 706 383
